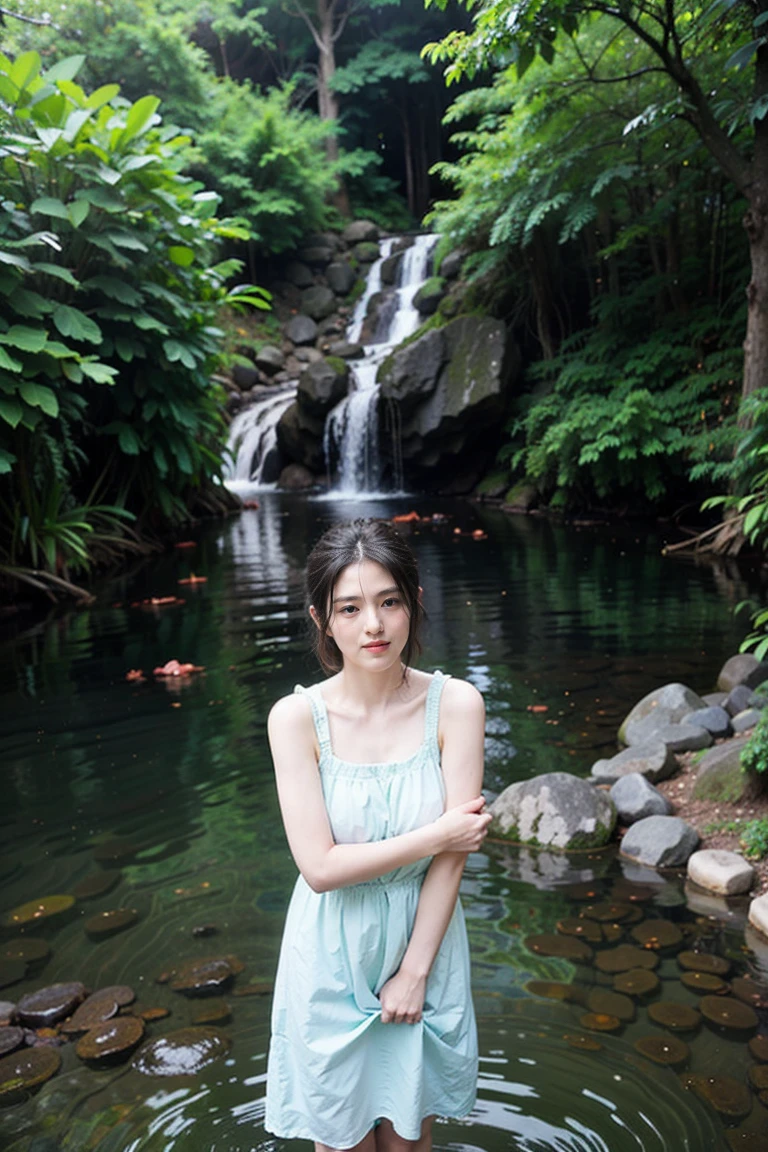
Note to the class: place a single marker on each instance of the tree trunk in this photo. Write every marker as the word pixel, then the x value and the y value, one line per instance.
pixel 327 100
pixel 756 342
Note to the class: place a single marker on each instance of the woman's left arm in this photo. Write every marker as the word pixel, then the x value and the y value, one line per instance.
pixel 462 731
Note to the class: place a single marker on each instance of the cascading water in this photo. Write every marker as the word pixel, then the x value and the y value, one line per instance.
pixel 352 428
pixel 253 441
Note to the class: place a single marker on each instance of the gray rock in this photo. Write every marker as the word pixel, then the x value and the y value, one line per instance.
pixel 411 373
pixel 346 350
pixel 246 376
pixel 321 386
pixel 318 302
pixel 758 914
pixel 745 720
pixel 308 355
pixel 270 359
pixel 366 253
pixel 299 274
pixel 714 718
pixel 555 810
pixel 715 699
pixel 378 317
pixel 738 699
pixel 719 775
pixel 301 330
pixel 719 871
pixel 653 760
pixel 742 669
pixel 300 438
pixel 341 277
pixel 684 737
pixel 450 266
pixel 660 841
pixel 429 295
pixel 390 268
pixel 296 477
pixel 634 799
pixel 666 705
pixel 360 230
pixel 317 256
pixel 521 498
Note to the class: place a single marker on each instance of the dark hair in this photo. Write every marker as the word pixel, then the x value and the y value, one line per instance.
pixel 351 543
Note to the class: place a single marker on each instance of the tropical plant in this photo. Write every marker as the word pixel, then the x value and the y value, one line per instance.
pixel 108 300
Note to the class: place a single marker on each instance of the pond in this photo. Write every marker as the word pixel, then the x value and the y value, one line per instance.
pixel 155 796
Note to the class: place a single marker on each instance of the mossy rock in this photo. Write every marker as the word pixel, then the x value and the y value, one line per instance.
pixel 522 497
pixel 23 1071
pixel 429 295
pixel 494 485
pixel 720 776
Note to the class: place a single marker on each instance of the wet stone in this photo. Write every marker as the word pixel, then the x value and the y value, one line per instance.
pixel 728 1014
pixel 585 929
pixel 562 947
pixel 758 1048
pixel 23 1071
pixel 97 884
pixel 182 1053
pixel 600 1022
pixel 666 1050
pixel 95 1010
pixel 758 1077
pixel 704 962
pixel 7 1009
pixel 11 1038
pixel 214 1012
pixel 27 949
pixel 676 1017
pixel 106 924
pixel 48 1005
pixel 115 851
pixel 110 1041
pixel 705 983
pixel 727 1095
pixel 636 982
pixel 554 990
pixel 35 911
pixel 582 1043
pixel 624 957
pixel 608 912
pixel 657 934
pixel 198 977
pixel 605 1002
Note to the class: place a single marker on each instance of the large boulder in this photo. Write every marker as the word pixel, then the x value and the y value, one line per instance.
pixel 663 706
pixel 269 359
pixel 653 760
pixel 555 810
pixel 634 799
pixel 660 841
pixel 296 477
pixel 378 317
pixel 317 255
pixel 450 265
pixel 301 330
pixel 318 302
pixel 360 230
pixel 390 268
pixel 341 277
pixel 742 669
pixel 429 295
pixel 719 871
pixel 299 274
pixel 412 371
pixel 720 776
pixel 321 386
pixel 684 737
pixel 300 438
pixel 448 436
pixel 366 252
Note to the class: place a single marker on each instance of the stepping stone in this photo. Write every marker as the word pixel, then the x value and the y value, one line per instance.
pixel 726 873
pixel 660 841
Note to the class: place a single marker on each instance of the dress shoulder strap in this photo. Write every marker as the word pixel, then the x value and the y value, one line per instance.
pixel 319 715
pixel 432 717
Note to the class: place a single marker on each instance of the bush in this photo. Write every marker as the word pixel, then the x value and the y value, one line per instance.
pixel 108 300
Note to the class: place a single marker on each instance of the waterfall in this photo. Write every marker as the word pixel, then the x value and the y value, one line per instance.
pixel 352 428
pixel 252 443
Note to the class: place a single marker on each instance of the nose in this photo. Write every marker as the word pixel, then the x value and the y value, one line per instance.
pixel 373 619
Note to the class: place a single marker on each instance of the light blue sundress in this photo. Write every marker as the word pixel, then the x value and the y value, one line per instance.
pixel 334 1069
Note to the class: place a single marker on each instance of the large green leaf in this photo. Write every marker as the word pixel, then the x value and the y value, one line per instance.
pixel 50 206
pixel 25 338
pixel 38 396
pixel 7 461
pixel 102 95
pixel 176 351
pixel 11 411
pixel 115 288
pixel 181 255
pixel 72 322
pixel 57 272
pixel 24 70
pixel 140 117
pixel 99 373
pixel 65 69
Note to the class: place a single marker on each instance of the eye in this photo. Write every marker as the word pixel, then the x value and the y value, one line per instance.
pixel 347 610
pixel 391 602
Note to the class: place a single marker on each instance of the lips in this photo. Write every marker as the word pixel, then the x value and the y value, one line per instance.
pixel 377 646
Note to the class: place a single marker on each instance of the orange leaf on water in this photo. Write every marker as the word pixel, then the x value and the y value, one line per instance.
pixel 537 708
pixel 136 675
pixel 406 518
pixel 174 668
pixel 253 505
pixel 185 544
pixel 194 579
pixel 478 534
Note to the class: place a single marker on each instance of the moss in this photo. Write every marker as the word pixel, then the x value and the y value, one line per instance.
pixel 357 289
pixel 340 366
pixel 493 484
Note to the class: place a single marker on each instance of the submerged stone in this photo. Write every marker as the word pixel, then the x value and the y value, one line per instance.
pixel 727 1095
pixel 582 1043
pixel 676 1017
pixel 51 1004
pixel 26 948
pixel 563 947
pixel 182 1053
pixel 605 1002
pixel 111 1040
pixel 657 934
pixel 11 1038
pixel 97 884
pixel 36 910
pixel 704 962
pixel 600 1022
pixel 25 1070
pixel 638 982
pixel 106 924
pixel 624 957
pixel 728 1014
pixel 198 977
pixel 705 983
pixel 667 1050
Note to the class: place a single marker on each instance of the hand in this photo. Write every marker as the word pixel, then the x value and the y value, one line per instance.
pixel 463 829
pixel 402 998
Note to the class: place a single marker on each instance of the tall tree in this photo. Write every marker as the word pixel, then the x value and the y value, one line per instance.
pixel 684 39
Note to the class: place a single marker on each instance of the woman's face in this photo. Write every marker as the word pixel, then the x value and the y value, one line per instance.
pixel 368 617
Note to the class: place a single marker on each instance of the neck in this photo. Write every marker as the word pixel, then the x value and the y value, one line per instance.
pixel 368 689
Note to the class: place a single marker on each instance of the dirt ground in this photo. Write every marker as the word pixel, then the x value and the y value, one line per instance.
pixel 703 814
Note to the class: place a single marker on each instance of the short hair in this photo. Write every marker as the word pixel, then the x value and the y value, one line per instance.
pixel 351 543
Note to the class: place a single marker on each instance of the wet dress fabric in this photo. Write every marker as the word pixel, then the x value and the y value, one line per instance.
pixel 334 1069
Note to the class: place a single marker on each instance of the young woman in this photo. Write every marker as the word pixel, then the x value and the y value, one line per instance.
pixel 379 771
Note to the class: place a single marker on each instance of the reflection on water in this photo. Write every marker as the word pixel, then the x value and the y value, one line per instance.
pixel 165 789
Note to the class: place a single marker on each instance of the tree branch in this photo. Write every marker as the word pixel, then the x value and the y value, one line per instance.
pixel 46 22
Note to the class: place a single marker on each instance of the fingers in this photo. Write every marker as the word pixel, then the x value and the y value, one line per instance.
pixel 475 805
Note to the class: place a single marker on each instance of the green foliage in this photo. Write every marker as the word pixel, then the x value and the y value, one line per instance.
pixel 754 754
pixel 267 162
pixel 108 300
pixel 754 838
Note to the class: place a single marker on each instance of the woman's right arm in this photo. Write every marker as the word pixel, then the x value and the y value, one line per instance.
pixel 324 864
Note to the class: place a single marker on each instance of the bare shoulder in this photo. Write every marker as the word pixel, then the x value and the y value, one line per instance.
pixel 461 700
pixel 293 709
